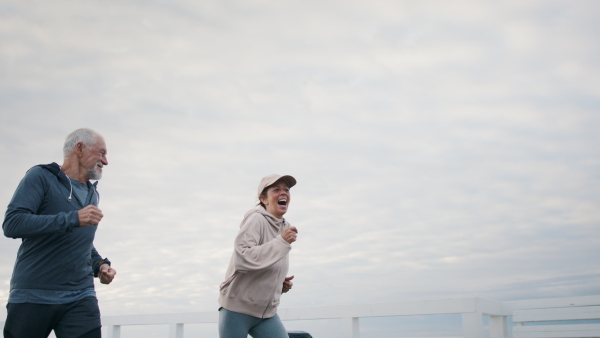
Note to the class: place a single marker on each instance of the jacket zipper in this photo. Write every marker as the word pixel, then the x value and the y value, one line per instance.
pixel 278 272
pixel 272 294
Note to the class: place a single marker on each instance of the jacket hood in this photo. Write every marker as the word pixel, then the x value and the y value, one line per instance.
pixel 54 168
pixel 273 221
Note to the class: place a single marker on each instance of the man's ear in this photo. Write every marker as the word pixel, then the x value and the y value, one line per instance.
pixel 79 148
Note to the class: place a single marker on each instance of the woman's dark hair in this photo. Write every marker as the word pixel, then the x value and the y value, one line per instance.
pixel 263 194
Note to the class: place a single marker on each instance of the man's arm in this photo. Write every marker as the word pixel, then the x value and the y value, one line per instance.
pixel 21 219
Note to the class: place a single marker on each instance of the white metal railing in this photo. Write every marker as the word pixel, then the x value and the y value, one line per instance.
pixel 578 317
pixel 471 309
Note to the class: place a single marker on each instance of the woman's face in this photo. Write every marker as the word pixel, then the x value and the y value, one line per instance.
pixel 278 199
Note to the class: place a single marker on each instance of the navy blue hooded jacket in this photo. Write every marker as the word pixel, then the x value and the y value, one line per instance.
pixel 55 253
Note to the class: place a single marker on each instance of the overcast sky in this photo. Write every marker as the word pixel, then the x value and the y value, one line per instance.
pixel 442 149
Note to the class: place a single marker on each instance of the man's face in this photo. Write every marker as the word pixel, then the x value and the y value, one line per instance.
pixel 94 159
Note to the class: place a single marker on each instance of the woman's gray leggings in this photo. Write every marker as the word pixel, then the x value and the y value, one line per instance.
pixel 237 325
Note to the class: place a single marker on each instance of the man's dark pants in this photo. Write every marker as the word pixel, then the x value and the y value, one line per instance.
pixel 79 319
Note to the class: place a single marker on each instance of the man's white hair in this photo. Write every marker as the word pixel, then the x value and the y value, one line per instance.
pixel 85 135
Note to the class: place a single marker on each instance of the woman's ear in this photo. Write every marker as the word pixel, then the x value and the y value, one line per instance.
pixel 263 200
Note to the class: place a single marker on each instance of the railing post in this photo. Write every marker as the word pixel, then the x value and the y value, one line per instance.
pixel 113 331
pixel 351 327
pixel 109 329
pixel 472 324
pixel 498 328
pixel 175 330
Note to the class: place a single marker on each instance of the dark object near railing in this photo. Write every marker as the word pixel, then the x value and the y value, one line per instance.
pixel 299 334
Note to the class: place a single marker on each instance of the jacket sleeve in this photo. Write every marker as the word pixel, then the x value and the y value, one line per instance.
pixel 250 253
pixel 22 220
pixel 97 261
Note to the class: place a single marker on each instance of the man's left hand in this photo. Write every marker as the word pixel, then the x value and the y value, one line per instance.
pixel 106 274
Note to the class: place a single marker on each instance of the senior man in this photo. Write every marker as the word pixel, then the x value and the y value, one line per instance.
pixel 54 211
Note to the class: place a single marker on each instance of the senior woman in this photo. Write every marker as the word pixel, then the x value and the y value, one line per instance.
pixel 256 276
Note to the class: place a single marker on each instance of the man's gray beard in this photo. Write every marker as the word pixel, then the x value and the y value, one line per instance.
pixel 95 174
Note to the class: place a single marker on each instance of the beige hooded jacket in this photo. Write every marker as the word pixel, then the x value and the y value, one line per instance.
pixel 258 266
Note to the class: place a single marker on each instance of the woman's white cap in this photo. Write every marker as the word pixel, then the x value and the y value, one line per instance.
pixel 270 179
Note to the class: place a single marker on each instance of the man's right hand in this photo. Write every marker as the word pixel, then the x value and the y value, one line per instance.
pixel 89 215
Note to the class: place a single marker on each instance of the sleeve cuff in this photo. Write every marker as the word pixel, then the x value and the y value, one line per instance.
pixel 99 264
